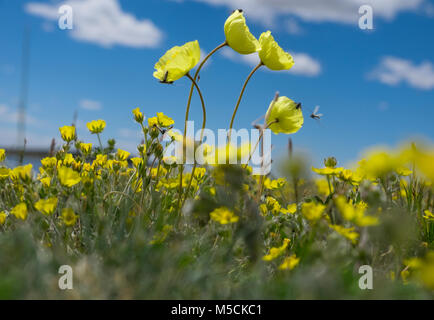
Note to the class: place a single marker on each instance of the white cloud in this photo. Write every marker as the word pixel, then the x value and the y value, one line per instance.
pixel 340 11
pixel 90 105
pixel 102 22
pixel 393 71
pixel 304 64
pixel 293 27
pixel 9 116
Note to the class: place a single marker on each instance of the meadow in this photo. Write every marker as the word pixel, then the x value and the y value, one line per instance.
pixel 148 227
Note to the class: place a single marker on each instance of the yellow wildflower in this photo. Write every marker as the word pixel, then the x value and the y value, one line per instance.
pixel 122 155
pixel 22 172
pixel 312 211
pixel 138 115
pixel 348 233
pixel 68 177
pixel 86 148
pixel 96 126
pixel 223 215
pixel 20 211
pixel 4 173
pixel 69 217
pixel 292 208
pixel 428 215
pixel 163 120
pixel 46 206
pixel 276 252
pixel 67 133
pixel 2 218
pixel 355 213
pixel 2 155
pixel 289 263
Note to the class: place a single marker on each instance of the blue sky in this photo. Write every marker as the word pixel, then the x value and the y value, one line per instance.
pixel 373 86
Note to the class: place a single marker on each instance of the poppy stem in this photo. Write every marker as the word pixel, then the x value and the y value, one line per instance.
pixel 187 111
pixel 201 136
pixel 241 96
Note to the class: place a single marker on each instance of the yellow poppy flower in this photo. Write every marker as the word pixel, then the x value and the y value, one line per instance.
pixel 138 115
pixel 68 177
pixel 238 35
pixel 20 211
pixel 96 126
pixel 289 263
pixel 272 55
pixel 68 217
pixel 223 216
pixel 284 116
pixel 67 133
pixel 177 62
pixel 46 206
pixel 2 155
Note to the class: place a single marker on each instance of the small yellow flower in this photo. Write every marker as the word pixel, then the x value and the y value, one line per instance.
pixel 138 115
pixel 46 206
pixel 289 263
pixel 4 173
pixel 328 171
pixel 291 209
pixel 122 155
pixel 67 133
pixel 272 55
pixel 22 172
pixel 49 162
pixel 276 252
pixel 163 120
pixel 348 233
pixel 20 211
pixel 86 148
pixel 223 216
pixel 96 126
pixel 68 217
pixel 274 184
pixel 136 161
pixel 284 116
pixel 428 215
pixel 238 35
pixel 68 177
pixel 2 155
pixel 199 173
pixel 312 211
pixel 177 62
pixel 46 182
pixel 355 213
pixel 2 218
pixel 152 122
